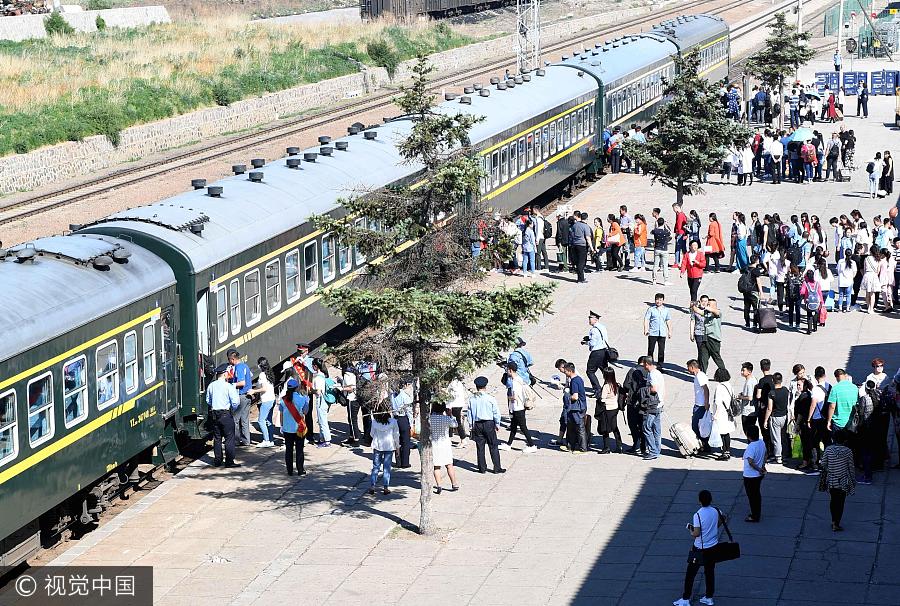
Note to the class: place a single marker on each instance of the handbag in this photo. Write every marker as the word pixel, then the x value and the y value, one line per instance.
pixel 853 420
pixel 706 423
pixel 727 550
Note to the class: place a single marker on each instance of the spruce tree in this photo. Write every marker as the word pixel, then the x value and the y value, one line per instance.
pixel 421 311
pixel 693 131
pixel 784 51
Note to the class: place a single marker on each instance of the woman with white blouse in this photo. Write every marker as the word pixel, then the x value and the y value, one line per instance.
pixel 846 271
pixel 720 409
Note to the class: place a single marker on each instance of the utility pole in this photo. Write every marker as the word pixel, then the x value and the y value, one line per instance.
pixel 799 16
pixel 528 40
pixel 840 28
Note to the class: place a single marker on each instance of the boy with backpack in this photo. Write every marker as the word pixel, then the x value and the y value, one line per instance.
pixel 811 293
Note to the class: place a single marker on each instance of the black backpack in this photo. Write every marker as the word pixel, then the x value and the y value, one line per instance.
pixel 795 255
pixel 548 230
pixel 870 167
pixel 793 284
pixel 745 283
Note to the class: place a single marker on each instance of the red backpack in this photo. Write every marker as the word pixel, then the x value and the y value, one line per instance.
pixel 808 153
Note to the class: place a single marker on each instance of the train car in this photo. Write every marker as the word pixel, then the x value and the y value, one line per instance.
pixel 372 9
pixel 247 258
pixel 87 365
pixel 708 34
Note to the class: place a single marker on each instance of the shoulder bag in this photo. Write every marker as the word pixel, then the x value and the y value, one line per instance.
pixel 696 555
pixel 725 551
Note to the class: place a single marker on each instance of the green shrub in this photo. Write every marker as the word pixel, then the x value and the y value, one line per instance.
pixel 101 24
pixel 55 24
pixel 384 56
pixel 99 5
pixel 224 93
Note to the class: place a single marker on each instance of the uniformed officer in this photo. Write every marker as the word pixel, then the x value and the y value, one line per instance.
pixel 599 348
pixel 484 417
pixel 223 399
pixel 402 410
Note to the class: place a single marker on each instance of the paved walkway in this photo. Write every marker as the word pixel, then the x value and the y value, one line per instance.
pixel 557 528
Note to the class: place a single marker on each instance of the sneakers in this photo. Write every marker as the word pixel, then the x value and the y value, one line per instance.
pixel 530 449
pixel 265 444
pixel 707 601
pixel 504 446
pixel 681 602
pixel 464 443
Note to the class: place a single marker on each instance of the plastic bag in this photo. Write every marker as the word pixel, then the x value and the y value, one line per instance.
pixel 706 423
pixel 796 447
pixel 715 440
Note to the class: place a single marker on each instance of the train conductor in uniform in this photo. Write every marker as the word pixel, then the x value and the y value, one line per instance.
pixel 223 399
pixel 597 345
pixel 484 418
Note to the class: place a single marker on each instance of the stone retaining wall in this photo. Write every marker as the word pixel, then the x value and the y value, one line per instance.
pixel 26 27
pixel 25 172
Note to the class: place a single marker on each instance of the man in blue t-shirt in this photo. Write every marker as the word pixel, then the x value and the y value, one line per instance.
pixel 575 436
pixel 242 379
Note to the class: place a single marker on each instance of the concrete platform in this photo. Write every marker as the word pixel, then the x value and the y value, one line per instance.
pixel 557 528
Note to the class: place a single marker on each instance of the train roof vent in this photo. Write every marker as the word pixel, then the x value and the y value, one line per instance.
pixel 565 57
pixel 501 86
pixel 198 183
pixel 595 52
pixel 239 169
pixel 605 49
pixel 510 83
pixel 598 45
pixel 468 90
pixel 576 51
pixel 326 150
pixel 342 145
pixel 449 96
pixel 465 100
pixel 258 162
pixel 293 151
pixel 478 86
pixel 370 135
pixel 541 71
pixel 324 140
pixel 595 63
pixel 526 77
pixel 310 156
pixel 256 176
pixel 352 130
pixel 294 163
pixel 519 79
pixel 26 254
pixel 495 80
pixel 215 191
pixel 121 255
pixel 484 92
pixel 171 216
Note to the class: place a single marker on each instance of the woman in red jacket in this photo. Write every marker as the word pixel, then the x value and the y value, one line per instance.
pixel 693 263
pixel 715 247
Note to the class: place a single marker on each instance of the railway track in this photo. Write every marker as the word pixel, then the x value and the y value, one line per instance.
pixel 59 198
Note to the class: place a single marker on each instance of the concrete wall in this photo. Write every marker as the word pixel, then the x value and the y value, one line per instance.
pixel 25 27
pixel 25 172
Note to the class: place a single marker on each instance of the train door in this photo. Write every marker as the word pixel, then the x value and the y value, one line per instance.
pixel 203 338
pixel 170 363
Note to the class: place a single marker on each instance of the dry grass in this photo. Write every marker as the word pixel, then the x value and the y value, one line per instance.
pixel 68 87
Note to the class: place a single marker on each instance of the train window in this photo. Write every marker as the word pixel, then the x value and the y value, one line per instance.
pixel 495 169
pixel 311 265
pixel 359 224
pixel 483 181
pixel 522 155
pixel 590 118
pixel 107 374
pixel 273 286
pixel 131 364
pixel 292 275
pixel 545 142
pixel 9 435
pixel 234 296
pixel 252 306
pixel 529 150
pixel 40 409
pixel 567 131
pixel 148 340
pixel 504 164
pixel 552 138
pixel 343 256
pixel 221 314
pixel 75 390
pixel 513 160
pixel 559 135
pixel 579 124
pixel 328 257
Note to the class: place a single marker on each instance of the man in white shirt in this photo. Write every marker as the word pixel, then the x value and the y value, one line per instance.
pixel 516 399
pixel 754 472
pixel 776 149
pixel 701 401
pixel 459 401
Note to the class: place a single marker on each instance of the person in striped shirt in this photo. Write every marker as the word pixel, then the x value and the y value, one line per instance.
pixel 794 105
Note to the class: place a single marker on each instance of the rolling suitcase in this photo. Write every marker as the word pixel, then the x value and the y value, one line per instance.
pixel 766 319
pixel 684 438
